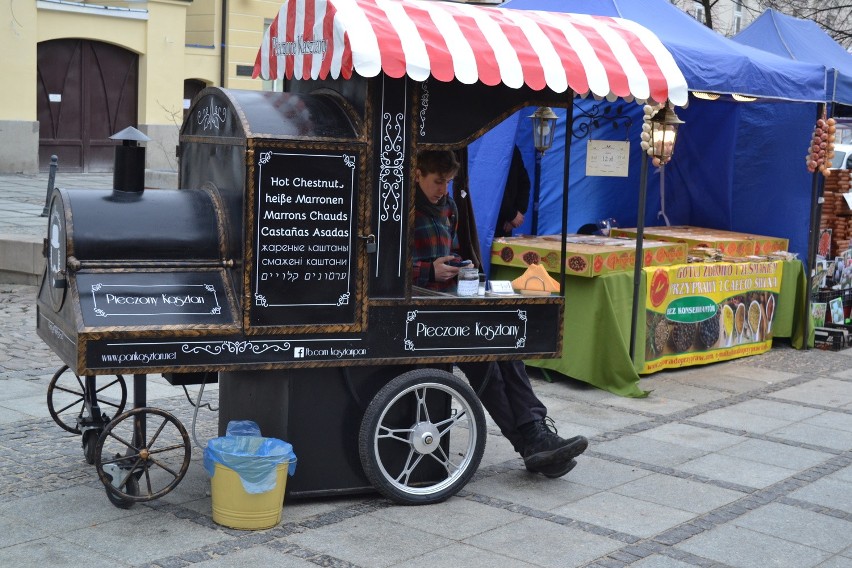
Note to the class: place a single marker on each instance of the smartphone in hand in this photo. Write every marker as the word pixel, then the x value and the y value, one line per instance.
pixel 460 263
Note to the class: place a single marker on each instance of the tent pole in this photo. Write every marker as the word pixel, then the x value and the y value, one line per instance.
pixel 569 128
pixel 637 266
pixel 536 192
pixel 813 239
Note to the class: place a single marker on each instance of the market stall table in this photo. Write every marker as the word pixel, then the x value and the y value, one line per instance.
pixel 596 333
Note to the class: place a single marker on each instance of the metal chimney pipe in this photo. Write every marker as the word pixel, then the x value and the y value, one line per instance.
pixel 129 171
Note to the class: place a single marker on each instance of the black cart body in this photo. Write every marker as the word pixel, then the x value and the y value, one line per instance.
pixel 289 246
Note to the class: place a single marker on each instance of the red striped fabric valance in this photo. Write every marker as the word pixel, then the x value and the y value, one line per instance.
pixel 607 57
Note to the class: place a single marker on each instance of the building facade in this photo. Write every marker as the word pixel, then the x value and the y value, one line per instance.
pixel 82 71
pixel 729 16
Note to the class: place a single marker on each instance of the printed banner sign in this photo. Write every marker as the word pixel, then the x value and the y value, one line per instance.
pixel 702 313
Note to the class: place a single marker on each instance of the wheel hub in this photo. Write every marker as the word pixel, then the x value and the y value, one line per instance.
pixel 425 437
pixel 144 453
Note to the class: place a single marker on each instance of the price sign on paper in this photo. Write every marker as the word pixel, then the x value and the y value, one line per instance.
pixel 502 287
pixel 607 158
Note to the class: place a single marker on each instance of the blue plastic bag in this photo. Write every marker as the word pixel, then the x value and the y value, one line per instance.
pixel 254 458
pixel 242 428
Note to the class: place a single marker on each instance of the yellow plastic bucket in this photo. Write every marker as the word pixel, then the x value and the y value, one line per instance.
pixel 234 508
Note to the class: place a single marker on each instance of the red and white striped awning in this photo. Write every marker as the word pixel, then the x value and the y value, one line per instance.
pixel 607 57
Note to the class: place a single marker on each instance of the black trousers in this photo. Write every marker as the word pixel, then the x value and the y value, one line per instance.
pixel 508 396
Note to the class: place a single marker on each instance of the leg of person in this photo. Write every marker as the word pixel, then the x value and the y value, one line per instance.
pixel 544 451
pixel 508 397
pixel 487 380
pixel 517 390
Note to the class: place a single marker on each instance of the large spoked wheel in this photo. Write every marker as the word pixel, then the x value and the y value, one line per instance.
pixel 142 455
pixel 422 437
pixel 66 398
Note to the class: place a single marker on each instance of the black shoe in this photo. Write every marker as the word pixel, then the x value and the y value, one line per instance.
pixel 557 469
pixel 546 447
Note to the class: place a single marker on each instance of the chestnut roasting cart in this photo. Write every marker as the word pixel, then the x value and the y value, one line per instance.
pixel 281 267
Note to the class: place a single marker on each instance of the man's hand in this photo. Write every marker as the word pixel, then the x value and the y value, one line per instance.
pixel 514 223
pixel 443 271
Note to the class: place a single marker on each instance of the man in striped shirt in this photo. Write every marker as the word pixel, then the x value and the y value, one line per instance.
pixel 503 386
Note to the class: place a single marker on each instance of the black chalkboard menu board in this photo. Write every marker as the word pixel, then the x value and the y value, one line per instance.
pixel 304 270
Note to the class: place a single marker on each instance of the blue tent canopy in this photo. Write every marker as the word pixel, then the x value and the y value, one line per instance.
pixel 803 40
pixel 738 166
pixel 708 60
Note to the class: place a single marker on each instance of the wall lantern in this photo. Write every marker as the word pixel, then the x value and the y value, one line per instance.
pixel 544 126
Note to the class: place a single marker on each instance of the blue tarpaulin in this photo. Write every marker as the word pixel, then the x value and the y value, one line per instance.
pixel 708 60
pixel 803 40
pixel 737 166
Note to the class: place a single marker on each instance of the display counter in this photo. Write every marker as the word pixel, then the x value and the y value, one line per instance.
pixel 596 331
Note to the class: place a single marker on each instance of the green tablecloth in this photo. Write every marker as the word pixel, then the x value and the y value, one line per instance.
pixel 596 332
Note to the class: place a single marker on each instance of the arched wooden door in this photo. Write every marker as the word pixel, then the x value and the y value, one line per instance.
pixel 87 91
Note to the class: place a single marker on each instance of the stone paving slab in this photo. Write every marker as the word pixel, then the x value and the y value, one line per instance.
pixel 744 548
pixel 678 493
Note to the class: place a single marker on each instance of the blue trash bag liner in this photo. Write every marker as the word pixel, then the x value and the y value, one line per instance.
pixel 254 458
pixel 242 428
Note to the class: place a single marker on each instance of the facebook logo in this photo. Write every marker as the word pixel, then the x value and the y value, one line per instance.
pixel 298 352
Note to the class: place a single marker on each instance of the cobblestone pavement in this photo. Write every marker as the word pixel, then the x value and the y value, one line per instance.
pixel 739 464
pixel 23 197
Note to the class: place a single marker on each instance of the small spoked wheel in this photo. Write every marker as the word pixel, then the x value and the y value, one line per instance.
pixel 66 398
pixel 142 455
pixel 422 437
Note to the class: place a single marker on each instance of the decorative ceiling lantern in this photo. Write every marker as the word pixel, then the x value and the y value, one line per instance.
pixel 706 96
pixel 743 98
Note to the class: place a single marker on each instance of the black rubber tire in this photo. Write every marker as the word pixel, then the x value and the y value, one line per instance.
pixel 78 390
pixel 90 443
pixel 420 393
pixel 156 463
pixel 131 487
